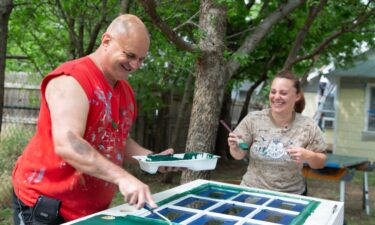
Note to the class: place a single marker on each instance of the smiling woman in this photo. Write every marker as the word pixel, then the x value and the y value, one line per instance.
pixel 288 85
pixel 280 140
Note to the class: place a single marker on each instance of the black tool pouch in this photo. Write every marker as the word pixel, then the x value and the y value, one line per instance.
pixel 46 211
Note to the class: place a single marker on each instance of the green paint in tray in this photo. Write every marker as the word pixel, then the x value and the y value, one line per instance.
pixel 176 157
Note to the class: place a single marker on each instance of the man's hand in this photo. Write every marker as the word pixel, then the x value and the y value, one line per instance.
pixel 135 192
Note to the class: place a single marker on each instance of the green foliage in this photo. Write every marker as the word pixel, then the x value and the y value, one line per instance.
pixel 41 31
pixel 49 34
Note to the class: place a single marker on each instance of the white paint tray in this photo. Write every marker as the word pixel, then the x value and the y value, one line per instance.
pixel 196 161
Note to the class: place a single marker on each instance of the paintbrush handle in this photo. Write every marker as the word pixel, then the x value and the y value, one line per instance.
pixel 226 126
pixel 148 207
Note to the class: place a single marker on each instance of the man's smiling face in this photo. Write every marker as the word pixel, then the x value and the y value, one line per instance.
pixel 124 54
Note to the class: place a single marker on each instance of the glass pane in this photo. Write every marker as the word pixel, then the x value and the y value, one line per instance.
pixel 252 199
pixel 328 124
pixel 216 194
pixel 329 103
pixel 214 222
pixel 371 110
pixel 372 98
pixel 273 218
pixel 371 123
pixel 173 215
pixel 197 204
pixel 233 211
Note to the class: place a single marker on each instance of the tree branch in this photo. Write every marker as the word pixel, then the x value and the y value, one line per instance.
pixel 249 4
pixel 189 21
pixel 21 46
pixel 81 35
pixel 17 57
pixel 150 8
pixel 95 32
pixel 261 31
pixel 42 48
pixel 240 33
pixel 70 23
pixel 303 79
pixel 345 28
pixel 249 93
pixel 313 12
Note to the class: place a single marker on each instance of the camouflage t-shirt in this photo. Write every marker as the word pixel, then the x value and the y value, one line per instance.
pixel 270 166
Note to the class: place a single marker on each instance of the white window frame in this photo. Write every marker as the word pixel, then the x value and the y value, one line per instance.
pixel 326 119
pixel 367 105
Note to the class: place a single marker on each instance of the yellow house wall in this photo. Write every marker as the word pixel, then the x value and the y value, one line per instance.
pixel 350 121
pixel 311 104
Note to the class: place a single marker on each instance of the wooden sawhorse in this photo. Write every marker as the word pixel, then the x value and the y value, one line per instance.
pixel 342 168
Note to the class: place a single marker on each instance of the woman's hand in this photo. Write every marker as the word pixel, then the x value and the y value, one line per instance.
pixel 298 154
pixel 232 140
pixel 234 147
pixel 316 160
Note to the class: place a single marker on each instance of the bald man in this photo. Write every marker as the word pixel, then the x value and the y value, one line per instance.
pixel 72 167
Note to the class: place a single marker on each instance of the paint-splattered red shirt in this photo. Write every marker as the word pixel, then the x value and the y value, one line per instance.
pixel 39 171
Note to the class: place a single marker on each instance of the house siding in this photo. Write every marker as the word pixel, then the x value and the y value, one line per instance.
pixel 350 120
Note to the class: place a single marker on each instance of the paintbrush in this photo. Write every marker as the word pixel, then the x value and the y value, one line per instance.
pixel 240 142
pixel 149 208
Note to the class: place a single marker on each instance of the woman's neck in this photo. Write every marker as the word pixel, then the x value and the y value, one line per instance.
pixel 282 120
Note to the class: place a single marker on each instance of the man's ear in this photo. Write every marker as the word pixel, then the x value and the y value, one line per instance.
pixel 106 38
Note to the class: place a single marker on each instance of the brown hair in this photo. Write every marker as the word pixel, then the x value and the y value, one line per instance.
pixel 300 104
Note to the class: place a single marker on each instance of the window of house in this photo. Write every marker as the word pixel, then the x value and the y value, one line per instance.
pixel 370 109
pixel 328 112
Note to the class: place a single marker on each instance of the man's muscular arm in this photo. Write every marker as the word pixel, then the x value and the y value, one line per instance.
pixel 68 105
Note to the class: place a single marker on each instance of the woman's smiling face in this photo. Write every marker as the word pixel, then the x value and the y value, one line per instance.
pixel 283 95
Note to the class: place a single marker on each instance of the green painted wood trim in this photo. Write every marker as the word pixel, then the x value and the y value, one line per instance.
pixel 120 220
pixel 309 209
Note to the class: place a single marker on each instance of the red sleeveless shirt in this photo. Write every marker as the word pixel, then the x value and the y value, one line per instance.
pixel 39 171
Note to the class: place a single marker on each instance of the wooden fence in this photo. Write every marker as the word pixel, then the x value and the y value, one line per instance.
pixel 21 103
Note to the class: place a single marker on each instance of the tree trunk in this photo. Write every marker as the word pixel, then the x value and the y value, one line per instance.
pixel 182 111
pixel 6 7
pixel 125 6
pixel 249 93
pixel 209 85
pixel 139 126
pixel 162 119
